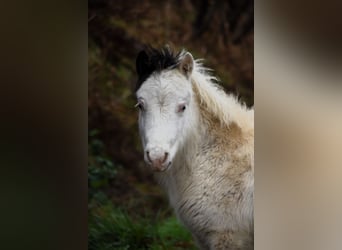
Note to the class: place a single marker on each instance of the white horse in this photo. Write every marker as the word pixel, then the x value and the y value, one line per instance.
pixel 200 143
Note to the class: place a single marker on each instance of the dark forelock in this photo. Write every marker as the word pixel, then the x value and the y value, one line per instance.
pixel 151 60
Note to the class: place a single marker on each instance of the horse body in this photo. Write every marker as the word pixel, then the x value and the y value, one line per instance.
pixel 205 164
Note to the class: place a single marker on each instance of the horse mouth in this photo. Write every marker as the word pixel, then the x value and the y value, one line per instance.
pixel 161 168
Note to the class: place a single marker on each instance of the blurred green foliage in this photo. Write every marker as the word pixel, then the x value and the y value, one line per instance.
pixel 101 169
pixel 114 228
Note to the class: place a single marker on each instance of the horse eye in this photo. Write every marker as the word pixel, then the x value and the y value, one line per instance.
pixel 139 105
pixel 181 108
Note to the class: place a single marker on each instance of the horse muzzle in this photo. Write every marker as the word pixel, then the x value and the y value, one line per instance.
pixel 158 159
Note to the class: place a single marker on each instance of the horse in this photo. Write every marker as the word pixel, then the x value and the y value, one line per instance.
pixel 199 142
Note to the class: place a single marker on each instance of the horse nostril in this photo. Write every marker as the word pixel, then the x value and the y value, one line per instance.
pixel 165 157
pixel 148 156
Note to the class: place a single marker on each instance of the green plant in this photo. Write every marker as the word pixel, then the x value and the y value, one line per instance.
pixel 101 169
pixel 113 228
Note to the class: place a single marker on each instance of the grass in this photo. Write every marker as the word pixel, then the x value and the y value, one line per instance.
pixel 113 228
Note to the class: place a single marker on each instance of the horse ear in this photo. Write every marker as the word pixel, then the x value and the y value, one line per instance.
pixel 186 64
pixel 142 62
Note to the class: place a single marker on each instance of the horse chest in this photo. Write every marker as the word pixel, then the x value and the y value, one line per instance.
pixel 207 207
pixel 214 199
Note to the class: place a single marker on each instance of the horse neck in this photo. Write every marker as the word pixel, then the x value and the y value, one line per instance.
pixel 217 108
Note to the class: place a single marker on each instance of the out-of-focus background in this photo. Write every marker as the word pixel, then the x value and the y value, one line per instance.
pixel 126 208
pixel 298 124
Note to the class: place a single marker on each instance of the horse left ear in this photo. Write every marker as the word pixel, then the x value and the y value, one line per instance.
pixel 186 64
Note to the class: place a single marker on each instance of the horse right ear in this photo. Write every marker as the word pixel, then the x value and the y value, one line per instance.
pixel 142 62
pixel 186 64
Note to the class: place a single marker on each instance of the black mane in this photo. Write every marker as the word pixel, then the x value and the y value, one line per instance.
pixel 151 60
